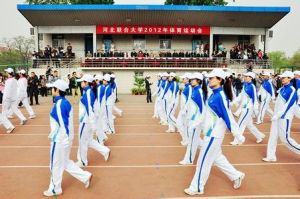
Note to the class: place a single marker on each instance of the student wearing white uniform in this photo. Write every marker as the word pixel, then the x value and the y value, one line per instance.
pixel 171 100
pixel 10 99
pixel 156 93
pixel 61 135
pixel 87 125
pixel 108 105
pixel 282 118
pixel 217 118
pixel 6 123
pixel 182 121
pixel 114 94
pixel 249 106
pixel 22 93
pixel 161 103
pixel 266 94
pixel 297 86
pixel 196 109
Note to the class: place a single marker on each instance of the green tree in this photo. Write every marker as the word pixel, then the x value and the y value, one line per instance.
pixel 295 60
pixel 279 60
pixel 196 2
pixel 10 57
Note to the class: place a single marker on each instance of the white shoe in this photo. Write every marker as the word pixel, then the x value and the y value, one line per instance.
pixel 192 193
pixel 269 160
pixel 259 140
pixel 258 123
pixel 50 193
pixel 114 117
pixel 32 116
pixel 106 156
pixel 10 130
pixel 23 122
pixel 88 182
pixel 80 164
pixel 234 143
pixel 10 117
pixel 238 182
pixel 120 113
pixel 108 132
pixel 184 143
pixel 182 162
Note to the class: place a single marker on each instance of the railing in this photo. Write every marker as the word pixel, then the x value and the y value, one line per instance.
pixel 57 62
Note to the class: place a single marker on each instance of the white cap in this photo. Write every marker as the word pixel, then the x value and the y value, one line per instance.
pixel 204 73
pixel 287 74
pixel 60 84
pixel 250 74
pixel 112 76
pixel 217 72
pixel 197 76
pixel 185 76
pixel 165 74
pixel 297 72
pixel 172 74
pixel 265 73
pixel 9 70
pixel 86 77
pixel 147 75
pixel 98 77
pixel 106 77
pixel 158 74
pixel 22 71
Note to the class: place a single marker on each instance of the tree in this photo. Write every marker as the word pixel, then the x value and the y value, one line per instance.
pixel 196 2
pixel 70 1
pixel 295 60
pixel 279 60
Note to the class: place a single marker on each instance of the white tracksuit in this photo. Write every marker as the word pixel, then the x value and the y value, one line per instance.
pixel 10 99
pixel 87 127
pixel 156 93
pixel 114 97
pixel 182 121
pixel 171 100
pixel 22 95
pixel 108 102
pixel 297 107
pixel 217 118
pixel 61 135
pixel 249 106
pixel 6 123
pixel 282 121
pixel 266 93
pixel 162 112
pixel 196 108
pixel 100 113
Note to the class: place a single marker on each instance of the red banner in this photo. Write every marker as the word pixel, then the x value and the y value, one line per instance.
pixel 154 30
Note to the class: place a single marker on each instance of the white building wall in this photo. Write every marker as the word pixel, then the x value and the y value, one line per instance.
pixel 237 31
pixel 66 29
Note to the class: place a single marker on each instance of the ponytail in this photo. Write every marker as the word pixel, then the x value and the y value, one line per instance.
pixel 204 89
pixel 227 88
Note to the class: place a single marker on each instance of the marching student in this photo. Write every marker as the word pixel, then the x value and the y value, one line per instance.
pixel 61 135
pixel 297 87
pixel 161 101
pixel 282 118
pixel 108 105
pixel 249 106
pixel 22 93
pixel 156 93
pixel 87 125
pixel 171 100
pixel 217 117
pixel 196 109
pixel 182 121
pixel 265 94
pixel 6 123
pixel 10 98
pixel 114 88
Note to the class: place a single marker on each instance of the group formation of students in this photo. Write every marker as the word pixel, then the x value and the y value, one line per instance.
pixel 15 94
pixel 205 106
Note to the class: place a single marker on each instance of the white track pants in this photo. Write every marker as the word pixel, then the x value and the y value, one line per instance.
pixel 171 108
pixel 281 128
pixel 182 125
pixel 211 154
pixel 13 105
pixel 117 110
pixel 6 123
pixel 162 111
pixel 25 102
pixel 60 161
pixel 194 141
pixel 297 110
pixel 155 114
pixel 109 121
pixel 86 140
pixel 100 129
pixel 264 107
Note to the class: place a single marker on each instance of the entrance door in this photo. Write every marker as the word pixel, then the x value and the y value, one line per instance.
pixel 88 44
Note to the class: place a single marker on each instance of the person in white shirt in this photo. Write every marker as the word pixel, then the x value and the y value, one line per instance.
pixel 6 123
pixel 10 100
pixel 61 135
pixel 22 93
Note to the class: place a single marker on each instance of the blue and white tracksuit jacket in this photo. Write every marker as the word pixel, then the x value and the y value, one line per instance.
pixel 171 101
pixel 109 102
pixel 297 107
pixel 162 105
pixel 100 112
pixel 266 93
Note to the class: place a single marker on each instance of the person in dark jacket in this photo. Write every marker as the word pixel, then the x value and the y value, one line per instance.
pixel 238 84
pixel 148 89
pixel 33 83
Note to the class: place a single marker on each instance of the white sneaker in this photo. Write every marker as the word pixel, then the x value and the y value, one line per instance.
pixel 234 143
pixel 269 159
pixel 80 164
pixel 10 117
pixel 184 143
pixel 32 116
pixel 182 162
pixel 259 140
pixel 50 193
pixel 106 156
pixel 88 182
pixel 258 123
pixel 120 113
pixel 192 193
pixel 10 130
pixel 238 182
pixel 108 132
pixel 23 122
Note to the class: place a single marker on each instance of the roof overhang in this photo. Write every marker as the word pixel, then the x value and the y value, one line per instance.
pixel 162 15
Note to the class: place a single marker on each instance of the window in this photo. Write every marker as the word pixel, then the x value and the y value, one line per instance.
pixel 165 43
pixel 58 41
pixel 139 44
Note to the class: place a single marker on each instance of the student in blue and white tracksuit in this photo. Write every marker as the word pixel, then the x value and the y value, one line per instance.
pixel 87 123
pixel 109 126
pixel 171 102
pixel 282 118
pixel 217 118
pixel 196 109
pixel 182 121
pixel 99 107
pixel 61 135
pixel 266 95
pixel 114 94
pixel 297 86
pixel 249 106
pixel 156 93
pixel 161 101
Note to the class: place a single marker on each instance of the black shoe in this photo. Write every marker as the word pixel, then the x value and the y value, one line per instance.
pixel 31 104
pixel 37 104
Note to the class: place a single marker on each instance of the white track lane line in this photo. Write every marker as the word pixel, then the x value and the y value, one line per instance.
pixel 241 197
